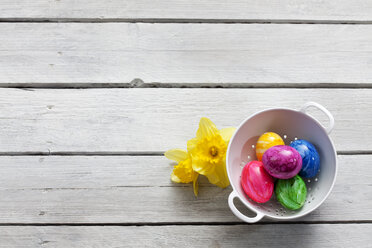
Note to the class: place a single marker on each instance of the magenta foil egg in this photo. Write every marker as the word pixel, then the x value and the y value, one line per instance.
pixel 256 182
pixel 282 162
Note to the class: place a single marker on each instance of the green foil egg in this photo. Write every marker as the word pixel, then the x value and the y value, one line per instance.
pixel 291 193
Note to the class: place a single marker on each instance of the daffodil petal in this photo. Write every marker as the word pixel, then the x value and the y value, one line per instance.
pixel 220 171
pixel 177 155
pixel 191 144
pixel 206 128
pixel 213 178
pixel 174 178
pixel 223 184
pixel 227 133
pixel 196 184
pixel 202 167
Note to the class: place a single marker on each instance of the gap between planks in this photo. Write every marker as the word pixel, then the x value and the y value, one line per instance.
pixel 154 153
pixel 138 83
pixel 149 153
pixel 183 20
pixel 237 223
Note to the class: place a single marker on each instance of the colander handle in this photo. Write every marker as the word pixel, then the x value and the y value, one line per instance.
pixel 324 110
pixel 238 214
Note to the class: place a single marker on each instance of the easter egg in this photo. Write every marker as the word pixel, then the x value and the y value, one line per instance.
pixel 256 183
pixel 291 193
pixel 282 161
pixel 266 141
pixel 310 158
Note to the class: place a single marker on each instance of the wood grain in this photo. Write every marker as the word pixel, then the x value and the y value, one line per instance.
pixel 148 120
pixel 130 190
pixel 129 200
pixel 127 54
pixel 340 10
pixel 185 236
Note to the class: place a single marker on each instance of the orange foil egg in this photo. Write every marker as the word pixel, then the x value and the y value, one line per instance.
pixel 266 141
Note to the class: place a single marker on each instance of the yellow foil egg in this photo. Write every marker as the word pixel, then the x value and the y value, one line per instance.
pixel 266 141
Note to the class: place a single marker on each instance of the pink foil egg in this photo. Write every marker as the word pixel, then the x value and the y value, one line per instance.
pixel 282 162
pixel 256 182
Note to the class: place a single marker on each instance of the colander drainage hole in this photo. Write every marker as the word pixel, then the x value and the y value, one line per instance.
pixel 285 136
pixel 316 179
pixel 253 146
pixel 309 189
pixel 309 202
pixel 309 181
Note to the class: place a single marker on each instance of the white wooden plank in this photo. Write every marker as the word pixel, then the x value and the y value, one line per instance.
pixel 118 53
pixel 315 235
pixel 357 10
pixel 116 189
pixel 145 120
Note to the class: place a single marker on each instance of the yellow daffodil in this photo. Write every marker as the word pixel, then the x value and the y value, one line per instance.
pixel 208 152
pixel 183 171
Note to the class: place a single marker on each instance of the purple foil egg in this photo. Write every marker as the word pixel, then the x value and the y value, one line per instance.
pixel 282 162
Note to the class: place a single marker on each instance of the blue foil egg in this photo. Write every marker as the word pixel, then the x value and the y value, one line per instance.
pixel 310 158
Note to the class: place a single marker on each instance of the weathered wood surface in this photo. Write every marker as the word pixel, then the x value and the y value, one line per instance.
pixel 287 236
pixel 80 54
pixel 129 200
pixel 147 120
pixel 137 189
pixel 216 10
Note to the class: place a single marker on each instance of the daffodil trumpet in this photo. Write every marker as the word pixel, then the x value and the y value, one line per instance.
pixel 183 171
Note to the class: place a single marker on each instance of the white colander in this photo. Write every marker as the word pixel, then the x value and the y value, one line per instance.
pixel 290 125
